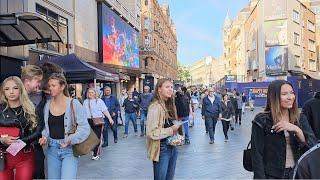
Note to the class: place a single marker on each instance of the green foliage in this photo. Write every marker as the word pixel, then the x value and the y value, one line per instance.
pixel 183 73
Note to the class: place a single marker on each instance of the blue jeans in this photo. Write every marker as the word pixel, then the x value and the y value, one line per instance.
pixel 133 118
pixel 61 162
pixel 113 128
pixel 165 168
pixel 211 124
pixel 143 118
pixel 186 127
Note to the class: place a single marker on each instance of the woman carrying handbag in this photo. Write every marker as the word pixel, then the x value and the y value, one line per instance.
pixel 62 162
pixel 228 115
pixel 96 110
pixel 160 126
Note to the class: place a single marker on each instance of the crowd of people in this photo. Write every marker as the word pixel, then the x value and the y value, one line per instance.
pixel 36 110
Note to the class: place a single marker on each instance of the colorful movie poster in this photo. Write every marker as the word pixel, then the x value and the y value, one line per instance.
pixel 119 40
pixel 276 60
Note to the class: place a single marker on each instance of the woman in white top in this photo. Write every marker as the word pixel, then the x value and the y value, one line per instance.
pixel 96 108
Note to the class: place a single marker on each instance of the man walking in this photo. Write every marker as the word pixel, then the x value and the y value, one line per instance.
pixel 113 106
pixel 122 97
pixel 144 101
pixel 211 111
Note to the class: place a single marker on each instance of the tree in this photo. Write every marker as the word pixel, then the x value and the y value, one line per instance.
pixel 183 73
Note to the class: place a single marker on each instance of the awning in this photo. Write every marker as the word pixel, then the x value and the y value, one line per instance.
pixel 77 70
pixel 26 28
pixel 122 76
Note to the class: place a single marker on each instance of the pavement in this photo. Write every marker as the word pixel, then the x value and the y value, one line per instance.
pixel 200 160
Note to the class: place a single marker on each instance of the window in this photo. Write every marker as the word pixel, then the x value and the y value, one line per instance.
pixel 312 45
pixel 60 24
pixel 146 41
pixel 311 26
pixel 296 16
pixel 146 63
pixel 296 38
pixel 297 60
pixel 312 65
pixel 146 23
pixel 146 2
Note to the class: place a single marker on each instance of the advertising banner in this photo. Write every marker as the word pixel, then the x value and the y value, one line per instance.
pixel 119 40
pixel 276 60
pixel 276 33
pixel 275 9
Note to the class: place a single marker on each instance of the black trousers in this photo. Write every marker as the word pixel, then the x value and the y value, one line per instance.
pixel 39 162
pixel 97 129
pixel 238 115
pixel 225 126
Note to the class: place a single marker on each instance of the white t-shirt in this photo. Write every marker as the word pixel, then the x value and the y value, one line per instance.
pixel 97 108
pixel 211 99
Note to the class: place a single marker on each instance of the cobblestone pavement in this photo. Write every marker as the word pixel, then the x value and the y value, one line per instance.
pixel 200 160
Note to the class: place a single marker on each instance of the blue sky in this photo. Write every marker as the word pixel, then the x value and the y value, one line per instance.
pixel 199 26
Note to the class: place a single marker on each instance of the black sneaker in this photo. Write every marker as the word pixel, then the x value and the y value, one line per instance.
pixel 211 142
pixel 116 140
pixel 187 142
pixel 232 128
pixel 104 145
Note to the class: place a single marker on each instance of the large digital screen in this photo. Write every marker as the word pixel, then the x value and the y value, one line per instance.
pixel 276 60
pixel 119 40
pixel 276 32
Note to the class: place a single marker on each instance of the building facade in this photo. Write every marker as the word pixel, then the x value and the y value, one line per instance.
pixel 280 40
pixel 158 42
pixel 234 44
pixel 104 33
pixel 207 71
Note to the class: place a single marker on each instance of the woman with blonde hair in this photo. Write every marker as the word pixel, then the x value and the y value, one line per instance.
pixel 58 114
pixel 96 110
pixel 161 114
pixel 18 125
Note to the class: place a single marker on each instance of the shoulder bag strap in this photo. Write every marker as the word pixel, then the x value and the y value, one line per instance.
pixel 90 108
pixel 73 116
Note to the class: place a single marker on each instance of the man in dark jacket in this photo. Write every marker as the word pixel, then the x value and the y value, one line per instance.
pixel 113 106
pixel 308 164
pixel 211 111
pixel 183 105
pixel 312 110
pixel 144 101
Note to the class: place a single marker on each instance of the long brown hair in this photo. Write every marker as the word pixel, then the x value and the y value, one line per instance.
pixel 27 105
pixel 274 105
pixel 62 81
pixel 169 104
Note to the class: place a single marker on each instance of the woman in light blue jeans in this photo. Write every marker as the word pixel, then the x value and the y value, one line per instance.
pixel 62 164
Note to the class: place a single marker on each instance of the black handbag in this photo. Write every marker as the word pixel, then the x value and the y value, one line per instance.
pixel 247 158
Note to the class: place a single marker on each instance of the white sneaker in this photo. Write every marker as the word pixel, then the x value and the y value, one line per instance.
pixel 95 158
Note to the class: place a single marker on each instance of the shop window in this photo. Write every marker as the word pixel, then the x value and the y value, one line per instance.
pixel 60 24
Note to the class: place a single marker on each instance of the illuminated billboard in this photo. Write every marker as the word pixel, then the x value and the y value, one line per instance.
pixel 276 60
pixel 276 33
pixel 119 40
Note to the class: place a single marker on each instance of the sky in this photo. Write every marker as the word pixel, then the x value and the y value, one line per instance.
pixel 199 26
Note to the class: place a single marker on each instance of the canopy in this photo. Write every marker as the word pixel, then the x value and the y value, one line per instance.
pixel 77 70
pixel 26 28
